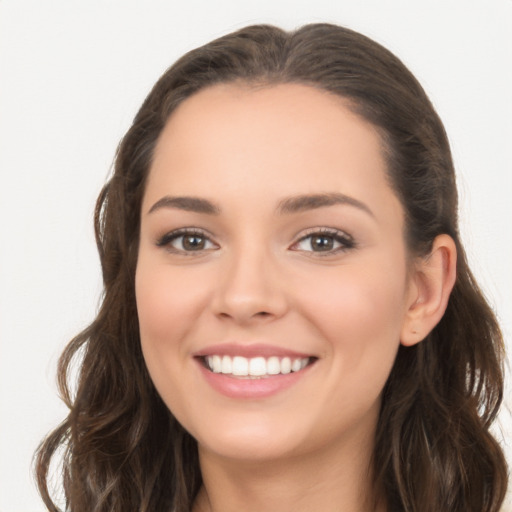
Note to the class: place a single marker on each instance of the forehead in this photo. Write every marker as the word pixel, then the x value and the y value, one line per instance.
pixel 275 140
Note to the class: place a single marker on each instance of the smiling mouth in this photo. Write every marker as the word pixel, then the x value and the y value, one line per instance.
pixel 255 367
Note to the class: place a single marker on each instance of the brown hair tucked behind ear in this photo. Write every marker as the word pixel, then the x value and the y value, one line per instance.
pixel 123 450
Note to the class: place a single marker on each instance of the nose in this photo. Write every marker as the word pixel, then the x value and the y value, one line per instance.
pixel 250 288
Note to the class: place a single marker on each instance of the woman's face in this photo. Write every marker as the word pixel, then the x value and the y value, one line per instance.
pixel 271 280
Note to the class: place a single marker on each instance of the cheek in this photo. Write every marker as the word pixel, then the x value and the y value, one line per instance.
pixel 168 303
pixel 359 311
pixel 168 308
pixel 358 299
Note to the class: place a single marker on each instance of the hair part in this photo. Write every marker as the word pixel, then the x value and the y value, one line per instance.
pixel 434 453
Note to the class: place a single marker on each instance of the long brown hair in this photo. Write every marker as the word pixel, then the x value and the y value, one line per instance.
pixel 123 449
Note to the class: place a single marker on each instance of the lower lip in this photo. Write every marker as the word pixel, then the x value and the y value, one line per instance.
pixel 233 387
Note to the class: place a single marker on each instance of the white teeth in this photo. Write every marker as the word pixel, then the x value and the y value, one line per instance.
pixel 216 364
pixel 286 365
pixel 255 366
pixel 240 366
pixel 296 366
pixel 273 366
pixel 226 365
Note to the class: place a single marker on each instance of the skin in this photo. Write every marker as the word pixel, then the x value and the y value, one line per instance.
pixel 257 278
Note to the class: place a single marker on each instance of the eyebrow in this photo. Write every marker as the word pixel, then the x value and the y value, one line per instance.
pixel 189 204
pixel 289 205
pixel 312 201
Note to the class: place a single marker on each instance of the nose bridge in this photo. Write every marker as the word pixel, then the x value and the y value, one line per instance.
pixel 249 286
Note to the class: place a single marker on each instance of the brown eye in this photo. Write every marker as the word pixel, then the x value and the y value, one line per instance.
pixel 322 243
pixel 185 241
pixel 193 242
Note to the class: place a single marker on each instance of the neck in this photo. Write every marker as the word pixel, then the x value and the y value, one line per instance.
pixel 328 480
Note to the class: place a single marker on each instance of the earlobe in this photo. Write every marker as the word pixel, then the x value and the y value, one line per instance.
pixel 431 285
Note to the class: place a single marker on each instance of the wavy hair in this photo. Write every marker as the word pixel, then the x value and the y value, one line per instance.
pixel 122 449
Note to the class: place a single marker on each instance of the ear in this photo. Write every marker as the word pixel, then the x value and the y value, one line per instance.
pixel 431 282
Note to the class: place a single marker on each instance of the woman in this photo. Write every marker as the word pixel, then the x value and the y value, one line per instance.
pixel 289 321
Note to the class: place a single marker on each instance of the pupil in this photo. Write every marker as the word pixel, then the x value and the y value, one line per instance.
pixel 322 243
pixel 193 242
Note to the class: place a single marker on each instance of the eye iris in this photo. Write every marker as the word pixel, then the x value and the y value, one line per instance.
pixel 322 243
pixel 193 242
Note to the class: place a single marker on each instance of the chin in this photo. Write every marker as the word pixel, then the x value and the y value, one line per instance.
pixel 250 442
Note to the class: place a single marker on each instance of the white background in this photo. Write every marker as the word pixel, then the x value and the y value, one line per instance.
pixel 72 75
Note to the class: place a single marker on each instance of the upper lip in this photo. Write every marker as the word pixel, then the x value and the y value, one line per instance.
pixel 251 350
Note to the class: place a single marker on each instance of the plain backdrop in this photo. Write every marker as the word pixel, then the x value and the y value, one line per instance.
pixel 72 75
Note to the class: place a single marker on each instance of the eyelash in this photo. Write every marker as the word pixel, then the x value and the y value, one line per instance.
pixel 166 240
pixel 345 240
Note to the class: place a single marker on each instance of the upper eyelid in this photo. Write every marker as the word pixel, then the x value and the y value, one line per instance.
pixel 192 230
pixel 163 240
pixel 189 230
pixel 324 231
pixel 345 239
